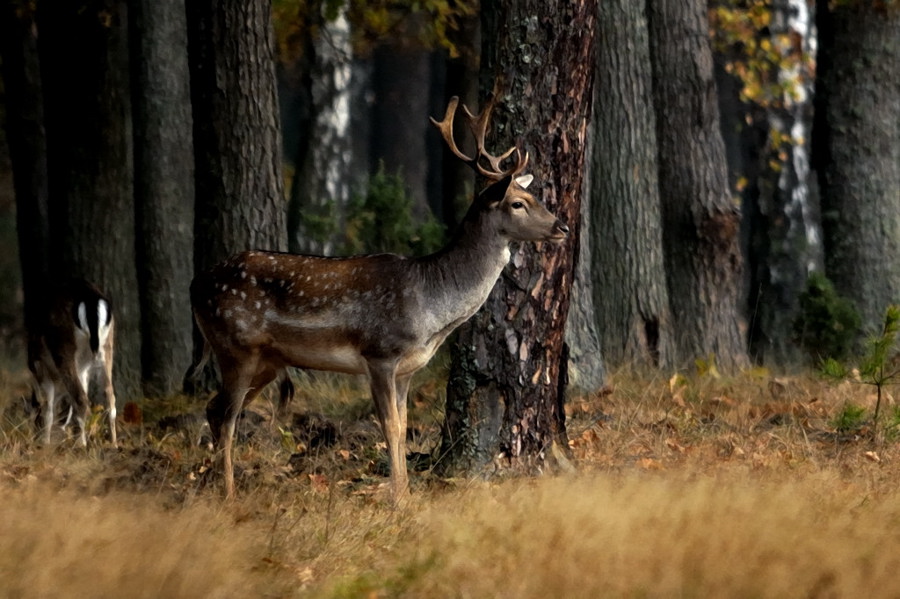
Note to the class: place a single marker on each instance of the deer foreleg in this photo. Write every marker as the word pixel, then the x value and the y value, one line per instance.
pixel 222 413
pixel 384 391
pixel 402 394
pixel 240 384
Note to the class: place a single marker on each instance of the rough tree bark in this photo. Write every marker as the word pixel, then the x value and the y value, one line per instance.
pixel 857 145
pixel 586 369
pixel 164 189
pixel 237 140
pixel 322 184
pixel 630 294
pixel 84 68
pixel 27 148
pixel 239 188
pixel 701 223
pixel 507 383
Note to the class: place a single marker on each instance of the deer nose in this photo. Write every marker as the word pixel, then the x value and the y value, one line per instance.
pixel 562 227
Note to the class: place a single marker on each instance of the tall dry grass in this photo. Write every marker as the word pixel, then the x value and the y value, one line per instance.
pixel 693 487
pixel 66 544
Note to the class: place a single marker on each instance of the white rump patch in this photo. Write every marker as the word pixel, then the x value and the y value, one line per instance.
pixel 82 318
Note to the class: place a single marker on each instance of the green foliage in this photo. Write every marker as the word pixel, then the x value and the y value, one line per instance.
pixel 880 363
pixel 319 223
pixel 892 425
pixel 881 349
pixel 827 324
pixel 381 221
pixel 850 419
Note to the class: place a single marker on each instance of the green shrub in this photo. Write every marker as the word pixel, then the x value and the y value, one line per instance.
pixel 851 418
pixel 382 221
pixel 828 324
pixel 880 362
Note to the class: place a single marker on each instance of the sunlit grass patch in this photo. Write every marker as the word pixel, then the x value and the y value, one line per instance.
pixel 691 485
pixel 63 544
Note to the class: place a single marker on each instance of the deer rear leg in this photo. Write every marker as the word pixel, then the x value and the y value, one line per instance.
pixel 75 384
pixel 48 392
pixel 384 382
pixel 107 363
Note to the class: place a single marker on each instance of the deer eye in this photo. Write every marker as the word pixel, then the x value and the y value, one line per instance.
pixel 517 205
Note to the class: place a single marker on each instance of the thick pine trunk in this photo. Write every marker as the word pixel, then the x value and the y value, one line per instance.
pixel 857 140
pixel 27 149
pixel 701 223
pixel 84 66
pixel 506 390
pixel 586 369
pixel 630 294
pixel 322 185
pixel 401 84
pixel 239 186
pixel 164 189
pixel 237 139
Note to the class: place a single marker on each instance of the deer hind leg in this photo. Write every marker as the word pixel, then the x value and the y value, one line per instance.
pixel 106 357
pixel 47 389
pixel 384 382
pixel 75 383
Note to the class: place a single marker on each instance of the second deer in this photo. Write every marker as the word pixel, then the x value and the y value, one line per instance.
pixel 72 338
pixel 380 315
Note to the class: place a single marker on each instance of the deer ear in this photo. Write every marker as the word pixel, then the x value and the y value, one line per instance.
pixel 524 180
pixel 495 192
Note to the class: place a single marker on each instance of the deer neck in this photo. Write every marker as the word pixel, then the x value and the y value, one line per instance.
pixel 461 276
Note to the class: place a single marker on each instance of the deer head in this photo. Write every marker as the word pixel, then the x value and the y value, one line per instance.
pixel 516 213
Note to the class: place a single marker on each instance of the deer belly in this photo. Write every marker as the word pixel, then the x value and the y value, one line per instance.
pixel 318 355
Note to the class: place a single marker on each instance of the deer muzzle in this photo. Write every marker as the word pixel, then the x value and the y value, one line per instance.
pixel 560 231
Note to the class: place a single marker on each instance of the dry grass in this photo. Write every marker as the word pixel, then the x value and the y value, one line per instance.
pixel 691 487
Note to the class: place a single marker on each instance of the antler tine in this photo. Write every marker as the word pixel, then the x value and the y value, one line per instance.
pixel 478 126
pixel 446 128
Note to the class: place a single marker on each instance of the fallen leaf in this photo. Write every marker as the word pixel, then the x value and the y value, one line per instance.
pixel 319 482
pixel 873 456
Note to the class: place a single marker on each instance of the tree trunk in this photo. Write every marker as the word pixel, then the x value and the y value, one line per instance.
pixel 586 370
pixel 84 67
pixel 322 185
pixel 239 187
pixel 857 139
pixel 401 83
pixel 766 130
pixel 237 140
pixel 701 223
pixel 630 292
pixel 164 189
pixel 507 383
pixel 27 149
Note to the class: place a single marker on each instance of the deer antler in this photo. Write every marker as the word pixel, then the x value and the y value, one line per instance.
pixel 478 124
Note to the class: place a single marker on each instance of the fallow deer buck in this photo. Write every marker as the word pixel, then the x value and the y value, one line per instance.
pixel 380 315
pixel 73 336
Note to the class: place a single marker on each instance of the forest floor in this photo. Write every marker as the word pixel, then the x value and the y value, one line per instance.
pixel 694 486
